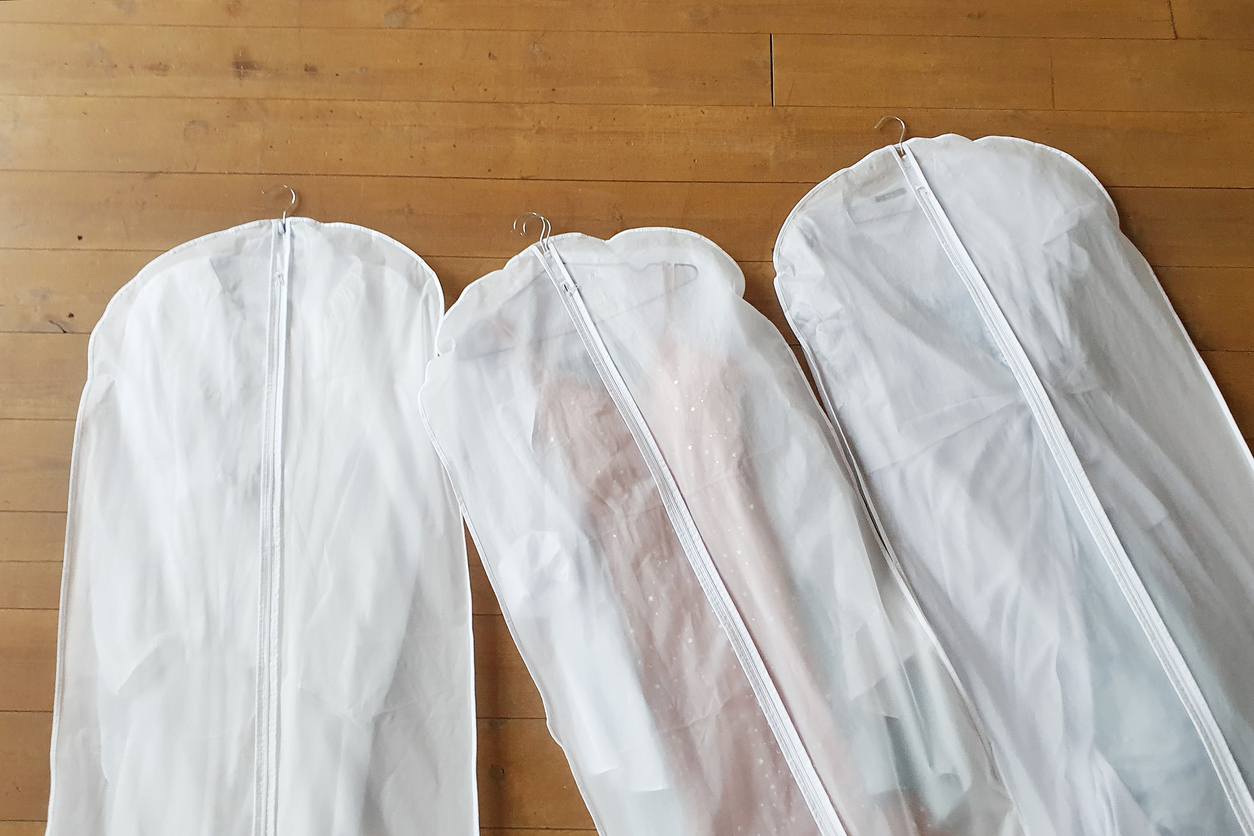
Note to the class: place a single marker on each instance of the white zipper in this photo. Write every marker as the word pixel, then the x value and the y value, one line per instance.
pixel 764 690
pixel 1085 496
pixel 265 807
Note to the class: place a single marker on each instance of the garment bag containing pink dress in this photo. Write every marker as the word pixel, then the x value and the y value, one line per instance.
pixel 722 645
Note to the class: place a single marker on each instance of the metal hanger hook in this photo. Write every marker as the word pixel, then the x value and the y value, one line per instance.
pixel 546 228
pixel 295 199
pixel 901 152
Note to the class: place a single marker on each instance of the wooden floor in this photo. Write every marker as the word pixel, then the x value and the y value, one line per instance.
pixel 128 127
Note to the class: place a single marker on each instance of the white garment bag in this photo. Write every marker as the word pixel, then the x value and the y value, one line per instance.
pixel 265 615
pixel 1052 463
pixel 687 569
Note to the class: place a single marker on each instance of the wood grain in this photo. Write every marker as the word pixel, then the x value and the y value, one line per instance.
pixel 22 828
pixel 440 217
pixel 41 375
pixel 1215 304
pixel 32 584
pixel 61 291
pixel 1216 19
pixel 583 142
pixel 503 687
pixel 856 71
pixel 28 657
pixel 1062 74
pixel 1154 75
pixel 35 465
pixel 435 217
pixel 1055 18
pixel 1189 227
pixel 24 738
pixel 1234 373
pixel 28 537
pixel 524 780
pixel 397 65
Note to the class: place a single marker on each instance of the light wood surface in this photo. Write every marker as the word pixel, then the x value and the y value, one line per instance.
pixel 130 126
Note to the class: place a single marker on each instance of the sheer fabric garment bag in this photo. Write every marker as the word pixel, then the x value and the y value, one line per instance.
pixel 1051 461
pixel 721 644
pixel 265 620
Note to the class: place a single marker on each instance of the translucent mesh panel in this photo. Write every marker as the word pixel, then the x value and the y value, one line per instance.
pixel 184 420
pixel 584 556
pixel 1091 734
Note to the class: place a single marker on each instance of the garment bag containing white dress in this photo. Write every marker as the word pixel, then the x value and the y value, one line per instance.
pixel 265 618
pixel 683 560
pixel 1054 467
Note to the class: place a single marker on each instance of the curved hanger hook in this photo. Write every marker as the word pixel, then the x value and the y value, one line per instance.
pixel 901 152
pixel 295 199
pixel 546 228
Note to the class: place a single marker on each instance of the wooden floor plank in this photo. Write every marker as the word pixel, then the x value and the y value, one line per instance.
pixel 503 687
pixel 1234 373
pixel 31 585
pixel 1153 75
pixel 22 828
pixel 855 71
pixel 433 216
pixel 1215 304
pixel 30 537
pixel 61 292
pixel 524 780
pixel 24 738
pixel 397 65
pixel 1063 74
pixel 1054 18
pixel 154 13
pixel 582 142
pixel 40 374
pixel 439 217
pixel 28 659
pixel 482 597
pixel 35 465
pixel 1215 19
pixel 1189 227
